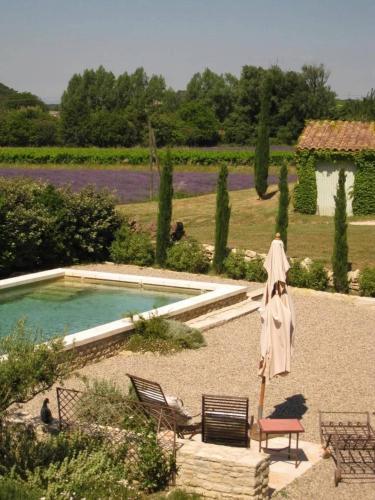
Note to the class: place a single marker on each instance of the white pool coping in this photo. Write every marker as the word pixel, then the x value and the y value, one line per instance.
pixel 210 293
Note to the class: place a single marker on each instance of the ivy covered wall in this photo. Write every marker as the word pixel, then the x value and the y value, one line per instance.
pixel 305 193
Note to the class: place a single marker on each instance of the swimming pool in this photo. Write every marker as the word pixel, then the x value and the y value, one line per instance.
pixel 89 307
pixel 65 306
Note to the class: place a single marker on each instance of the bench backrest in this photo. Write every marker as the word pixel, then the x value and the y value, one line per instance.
pixel 225 420
pixel 147 391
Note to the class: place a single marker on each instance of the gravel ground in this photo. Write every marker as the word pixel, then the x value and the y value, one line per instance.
pixel 333 369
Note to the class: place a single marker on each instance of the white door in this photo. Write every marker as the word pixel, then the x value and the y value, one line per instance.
pixel 327 178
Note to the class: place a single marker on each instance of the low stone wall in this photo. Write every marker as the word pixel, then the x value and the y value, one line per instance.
pixel 215 471
pixel 199 311
pixel 353 276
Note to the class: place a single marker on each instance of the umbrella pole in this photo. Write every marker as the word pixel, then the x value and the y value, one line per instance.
pixel 261 398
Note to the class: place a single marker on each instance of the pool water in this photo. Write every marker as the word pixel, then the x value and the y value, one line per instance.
pixel 68 306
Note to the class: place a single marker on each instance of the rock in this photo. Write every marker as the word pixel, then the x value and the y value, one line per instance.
pixel 209 251
pixel 306 263
pixel 250 254
pixel 353 276
pixel 330 277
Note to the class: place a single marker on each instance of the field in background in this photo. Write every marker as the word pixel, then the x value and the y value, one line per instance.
pixel 135 156
pixel 132 185
pixel 252 226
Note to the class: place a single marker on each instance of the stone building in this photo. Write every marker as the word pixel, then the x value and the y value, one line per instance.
pixel 325 147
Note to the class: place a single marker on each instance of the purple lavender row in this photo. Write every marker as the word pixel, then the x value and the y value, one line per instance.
pixel 134 186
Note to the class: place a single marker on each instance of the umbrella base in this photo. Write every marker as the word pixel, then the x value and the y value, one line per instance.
pixel 254 433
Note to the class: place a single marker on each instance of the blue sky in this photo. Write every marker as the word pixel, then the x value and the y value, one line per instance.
pixel 43 42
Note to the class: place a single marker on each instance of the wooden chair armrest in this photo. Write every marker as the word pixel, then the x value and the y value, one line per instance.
pixel 197 415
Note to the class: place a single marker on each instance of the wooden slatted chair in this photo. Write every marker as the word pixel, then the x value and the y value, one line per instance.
pixel 152 394
pixel 225 420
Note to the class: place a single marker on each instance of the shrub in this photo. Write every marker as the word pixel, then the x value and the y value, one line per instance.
pixel 78 465
pixel 317 277
pixel 162 335
pixel 30 366
pixel 189 256
pixel 13 489
pixel 132 247
pixel 100 401
pixel 89 474
pixel 314 277
pixel 21 451
pixel 297 275
pixel 255 271
pixel 367 282
pixel 185 336
pixel 235 265
pixel 153 470
pixel 43 226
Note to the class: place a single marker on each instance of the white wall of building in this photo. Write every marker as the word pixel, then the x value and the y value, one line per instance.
pixel 327 178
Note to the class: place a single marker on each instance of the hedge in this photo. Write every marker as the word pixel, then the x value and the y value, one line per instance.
pixel 305 193
pixel 132 156
pixel 42 226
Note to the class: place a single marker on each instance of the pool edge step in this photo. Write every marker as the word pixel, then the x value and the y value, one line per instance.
pixel 222 316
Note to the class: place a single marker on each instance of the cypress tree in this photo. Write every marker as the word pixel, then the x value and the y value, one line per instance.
pixel 340 247
pixel 221 220
pixel 165 211
pixel 262 149
pixel 282 214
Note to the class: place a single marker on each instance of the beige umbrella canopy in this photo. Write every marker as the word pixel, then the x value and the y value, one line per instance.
pixel 277 317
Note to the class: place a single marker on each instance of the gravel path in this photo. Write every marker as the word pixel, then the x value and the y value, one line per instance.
pixel 333 369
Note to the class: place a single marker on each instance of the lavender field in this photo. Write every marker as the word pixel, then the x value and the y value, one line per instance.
pixel 131 186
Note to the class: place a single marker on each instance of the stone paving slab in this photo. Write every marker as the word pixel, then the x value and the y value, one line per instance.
pixel 282 469
pixel 234 311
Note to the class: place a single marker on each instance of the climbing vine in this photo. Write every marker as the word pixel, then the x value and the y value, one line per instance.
pixel 305 193
pixel 364 185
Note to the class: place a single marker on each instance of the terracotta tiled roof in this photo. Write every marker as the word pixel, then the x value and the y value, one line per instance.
pixel 338 136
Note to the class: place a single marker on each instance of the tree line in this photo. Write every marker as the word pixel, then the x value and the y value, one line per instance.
pixel 99 109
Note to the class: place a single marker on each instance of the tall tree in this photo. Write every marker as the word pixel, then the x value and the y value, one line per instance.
pixel 262 150
pixel 165 211
pixel 217 91
pixel 222 220
pixel 282 214
pixel 319 98
pixel 340 247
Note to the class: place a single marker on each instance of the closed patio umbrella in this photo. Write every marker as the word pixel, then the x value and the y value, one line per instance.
pixel 277 318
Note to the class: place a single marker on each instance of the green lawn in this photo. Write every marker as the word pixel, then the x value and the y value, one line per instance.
pixel 253 226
